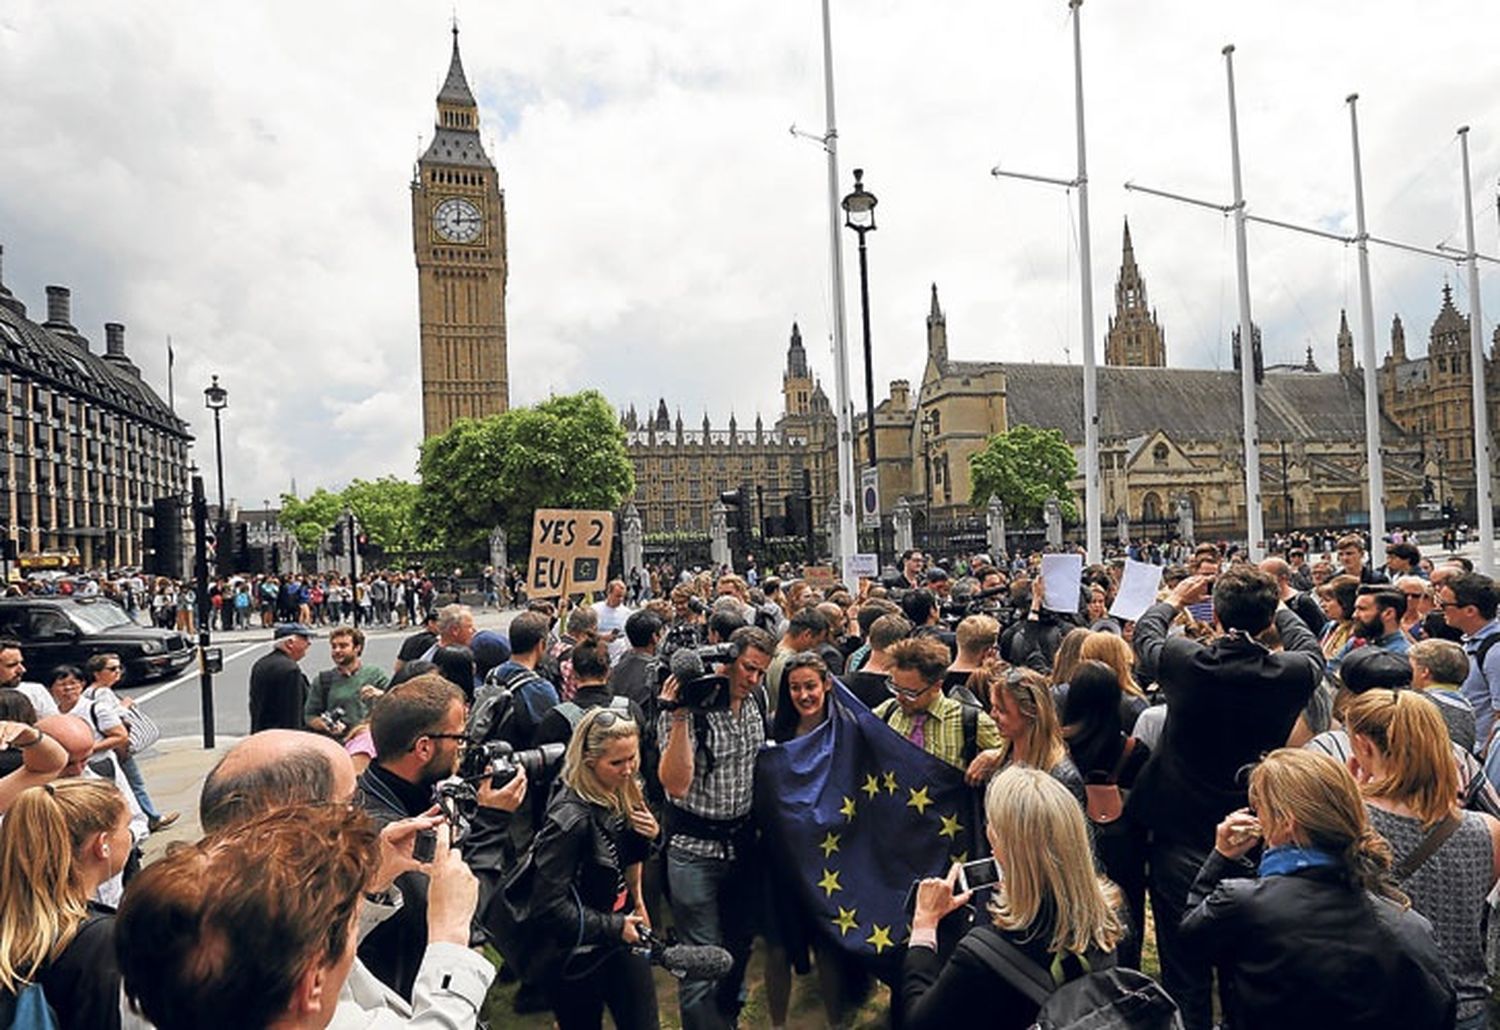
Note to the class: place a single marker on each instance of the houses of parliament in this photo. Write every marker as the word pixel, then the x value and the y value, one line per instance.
pixel 1166 434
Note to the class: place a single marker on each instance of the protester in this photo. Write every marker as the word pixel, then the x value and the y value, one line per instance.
pixel 1229 702
pixel 1438 667
pixel 1468 603
pixel 420 642
pixel 1102 750
pixel 339 699
pixel 58 844
pixel 1403 762
pixel 591 669
pixel 586 880
pixel 978 643
pixel 105 672
pixel 278 689
pixel 959 734
pixel 872 683
pixel 629 676
pixel 1049 904
pixel 29 757
pixel 1026 717
pixel 1317 935
pixel 534 695
pixel 1337 597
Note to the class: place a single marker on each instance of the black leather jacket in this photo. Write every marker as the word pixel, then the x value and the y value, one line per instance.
pixel 1311 949
pixel 581 856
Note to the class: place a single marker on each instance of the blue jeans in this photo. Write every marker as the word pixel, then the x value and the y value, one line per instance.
pixel 137 784
pixel 712 904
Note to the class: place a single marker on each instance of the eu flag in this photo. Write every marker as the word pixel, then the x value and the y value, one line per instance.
pixel 853 812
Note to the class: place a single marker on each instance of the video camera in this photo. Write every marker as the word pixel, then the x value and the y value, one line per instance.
pixel 698 687
pixel 500 762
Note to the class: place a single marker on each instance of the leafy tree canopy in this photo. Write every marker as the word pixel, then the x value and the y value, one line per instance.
pixel 386 508
pixel 1024 467
pixel 566 452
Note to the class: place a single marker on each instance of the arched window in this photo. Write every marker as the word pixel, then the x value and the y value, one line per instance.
pixel 1150 507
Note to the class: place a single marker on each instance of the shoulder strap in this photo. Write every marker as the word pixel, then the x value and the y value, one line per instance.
pixel 971 733
pixel 1484 649
pixel 620 705
pixel 1430 843
pixel 571 712
pixel 1008 962
pixel 1114 774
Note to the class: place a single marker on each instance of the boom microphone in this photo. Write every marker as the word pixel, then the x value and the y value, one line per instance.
pixel 688 961
pixel 687 664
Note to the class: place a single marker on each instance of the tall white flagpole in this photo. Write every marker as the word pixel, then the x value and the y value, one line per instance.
pixel 1374 462
pixel 1092 515
pixel 848 541
pixel 1476 371
pixel 1255 531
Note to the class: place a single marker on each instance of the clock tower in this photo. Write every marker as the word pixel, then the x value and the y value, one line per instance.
pixel 458 231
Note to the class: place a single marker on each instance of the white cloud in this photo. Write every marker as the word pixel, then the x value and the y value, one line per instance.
pixel 236 176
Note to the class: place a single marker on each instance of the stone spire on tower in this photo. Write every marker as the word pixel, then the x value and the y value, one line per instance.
pixel 1398 340
pixel 1134 337
pixel 937 330
pixel 1345 344
pixel 796 382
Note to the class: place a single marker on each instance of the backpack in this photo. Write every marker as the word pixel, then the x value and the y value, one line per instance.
pixel 1111 998
pixel 970 725
pixel 571 711
pixel 1105 801
pixel 28 1010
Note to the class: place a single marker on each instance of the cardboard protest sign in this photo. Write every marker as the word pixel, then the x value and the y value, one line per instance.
pixel 569 552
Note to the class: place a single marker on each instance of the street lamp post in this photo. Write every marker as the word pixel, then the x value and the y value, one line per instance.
pixel 859 215
pixel 929 431
pixel 216 399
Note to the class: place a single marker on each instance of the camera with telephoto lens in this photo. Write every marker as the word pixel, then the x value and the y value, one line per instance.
pixel 698 686
pixel 500 762
pixel 334 720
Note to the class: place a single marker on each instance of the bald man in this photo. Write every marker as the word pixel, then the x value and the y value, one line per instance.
pixel 273 768
pixel 77 739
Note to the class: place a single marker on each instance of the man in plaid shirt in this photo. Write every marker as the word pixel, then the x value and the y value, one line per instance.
pixel 920 711
pixel 707 770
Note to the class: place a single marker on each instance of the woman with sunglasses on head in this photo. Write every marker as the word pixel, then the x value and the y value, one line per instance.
pixel 1317 934
pixel 1403 761
pixel 105 671
pixel 1026 716
pixel 586 885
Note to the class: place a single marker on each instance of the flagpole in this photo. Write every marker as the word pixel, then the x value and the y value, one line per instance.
pixel 1093 528
pixel 171 394
pixel 1373 458
pixel 1476 372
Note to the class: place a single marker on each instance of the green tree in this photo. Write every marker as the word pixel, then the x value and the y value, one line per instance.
pixel 1024 467
pixel 310 518
pixel 387 510
pixel 567 452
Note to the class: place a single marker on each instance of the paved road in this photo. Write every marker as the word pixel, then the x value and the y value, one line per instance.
pixel 176 704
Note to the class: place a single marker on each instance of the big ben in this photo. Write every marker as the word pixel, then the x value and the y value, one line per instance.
pixel 458 232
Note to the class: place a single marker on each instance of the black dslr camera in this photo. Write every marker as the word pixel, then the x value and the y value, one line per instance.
pixel 500 762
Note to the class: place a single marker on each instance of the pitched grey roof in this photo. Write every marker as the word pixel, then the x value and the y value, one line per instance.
pixel 1189 404
pixel 457 147
pixel 68 365
pixel 456 87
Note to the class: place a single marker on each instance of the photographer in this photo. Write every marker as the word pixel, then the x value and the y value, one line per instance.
pixel 707 769
pixel 417 729
pixel 586 881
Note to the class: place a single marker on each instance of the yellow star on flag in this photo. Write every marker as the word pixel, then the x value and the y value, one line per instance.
pixel 871 787
pixel 880 939
pixel 918 800
pixel 847 809
pixel 830 844
pixel 830 882
pixel 845 921
pixel 951 827
pixel 890 783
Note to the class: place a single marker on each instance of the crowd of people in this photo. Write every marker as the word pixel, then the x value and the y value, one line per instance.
pixel 1288 765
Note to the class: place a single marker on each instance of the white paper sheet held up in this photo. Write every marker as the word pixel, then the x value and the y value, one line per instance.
pixel 1137 590
pixel 1062 575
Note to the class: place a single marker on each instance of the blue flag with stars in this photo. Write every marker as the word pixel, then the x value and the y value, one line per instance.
pixel 853 813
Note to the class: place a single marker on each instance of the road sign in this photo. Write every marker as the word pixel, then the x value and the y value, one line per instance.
pixel 569 552
pixel 869 498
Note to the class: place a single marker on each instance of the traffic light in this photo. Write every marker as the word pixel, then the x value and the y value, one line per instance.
pixel 242 561
pixel 336 539
pixel 363 543
pixel 166 537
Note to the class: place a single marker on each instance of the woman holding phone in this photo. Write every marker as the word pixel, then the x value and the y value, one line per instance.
pixel 1050 905
pixel 587 880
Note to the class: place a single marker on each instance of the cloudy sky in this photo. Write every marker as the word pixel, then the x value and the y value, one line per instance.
pixel 236 176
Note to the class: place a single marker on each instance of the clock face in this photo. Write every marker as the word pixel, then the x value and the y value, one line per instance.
pixel 457 220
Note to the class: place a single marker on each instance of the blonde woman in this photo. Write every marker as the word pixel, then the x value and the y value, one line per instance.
pixel 1026 716
pixel 1317 935
pixel 1050 904
pixel 1403 761
pixel 587 887
pixel 58 843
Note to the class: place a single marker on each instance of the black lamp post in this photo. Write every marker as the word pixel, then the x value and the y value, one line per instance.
pixel 216 399
pixel 929 424
pixel 859 215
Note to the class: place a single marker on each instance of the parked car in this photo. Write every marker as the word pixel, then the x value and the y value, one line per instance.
pixel 57 630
